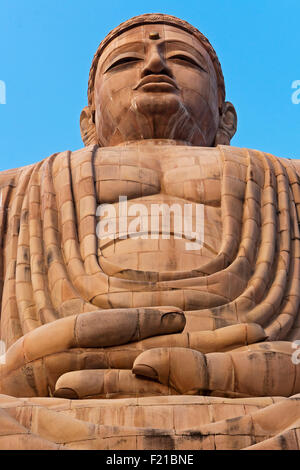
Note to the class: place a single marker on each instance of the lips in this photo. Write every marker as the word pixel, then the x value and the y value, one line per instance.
pixel 156 82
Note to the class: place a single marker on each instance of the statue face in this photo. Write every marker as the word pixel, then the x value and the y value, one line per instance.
pixel 156 82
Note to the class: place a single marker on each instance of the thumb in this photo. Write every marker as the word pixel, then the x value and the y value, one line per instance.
pixel 180 368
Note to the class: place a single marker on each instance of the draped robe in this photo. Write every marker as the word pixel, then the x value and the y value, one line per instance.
pixel 52 266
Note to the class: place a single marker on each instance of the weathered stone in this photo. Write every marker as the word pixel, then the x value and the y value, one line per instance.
pixel 135 340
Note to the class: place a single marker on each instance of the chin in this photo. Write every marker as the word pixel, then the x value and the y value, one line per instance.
pixel 162 103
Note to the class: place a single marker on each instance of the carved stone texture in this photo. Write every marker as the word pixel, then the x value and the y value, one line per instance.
pixel 131 332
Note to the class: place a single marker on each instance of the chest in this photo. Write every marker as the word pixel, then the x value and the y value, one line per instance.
pixel 181 173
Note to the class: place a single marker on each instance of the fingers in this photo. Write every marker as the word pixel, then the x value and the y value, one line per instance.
pixel 106 328
pixel 38 377
pixel 107 384
pixel 122 357
pixel 222 339
pixel 285 347
pixel 120 326
pixel 264 369
pixel 180 368
pixel 100 328
pixel 47 339
pixel 34 363
pixel 227 338
pixel 57 365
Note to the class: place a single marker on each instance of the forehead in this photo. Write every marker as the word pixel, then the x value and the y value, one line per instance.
pixel 140 34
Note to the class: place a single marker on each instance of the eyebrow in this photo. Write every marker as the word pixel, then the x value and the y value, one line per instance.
pixel 127 47
pixel 123 49
pixel 188 48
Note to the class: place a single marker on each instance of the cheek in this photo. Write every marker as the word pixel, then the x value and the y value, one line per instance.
pixel 200 106
pixel 113 83
pixel 190 79
pixel 199 94
pixel 203 111
pixel 112 102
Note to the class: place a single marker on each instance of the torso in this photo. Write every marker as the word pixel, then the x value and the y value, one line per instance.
pixel 160 175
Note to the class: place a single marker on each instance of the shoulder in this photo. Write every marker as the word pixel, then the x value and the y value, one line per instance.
pixel 294 163
pixel 244 153
pixel 10 177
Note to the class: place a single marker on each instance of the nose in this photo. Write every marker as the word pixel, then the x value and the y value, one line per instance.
pixel 155 64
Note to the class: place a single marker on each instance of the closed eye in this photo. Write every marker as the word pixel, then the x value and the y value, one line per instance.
pixel 122 61
pixel 186 59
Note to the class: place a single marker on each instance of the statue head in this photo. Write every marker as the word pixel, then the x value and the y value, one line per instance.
pixel 157 77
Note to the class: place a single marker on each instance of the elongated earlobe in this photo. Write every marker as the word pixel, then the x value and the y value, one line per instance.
pixel 227 125
pixel 87 127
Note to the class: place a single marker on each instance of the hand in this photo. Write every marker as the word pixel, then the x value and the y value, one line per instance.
pixel 107 383
pixel 38 359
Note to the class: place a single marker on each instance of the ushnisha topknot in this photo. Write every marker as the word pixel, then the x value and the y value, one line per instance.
pixel 156 18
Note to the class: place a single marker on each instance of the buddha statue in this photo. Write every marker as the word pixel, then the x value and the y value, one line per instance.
pixel 139 340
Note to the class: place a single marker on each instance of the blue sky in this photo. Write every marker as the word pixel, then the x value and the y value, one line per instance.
pixel 46 48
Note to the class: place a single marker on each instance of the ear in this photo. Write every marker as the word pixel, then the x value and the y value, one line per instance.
pixel 227 124
pixel 87 126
